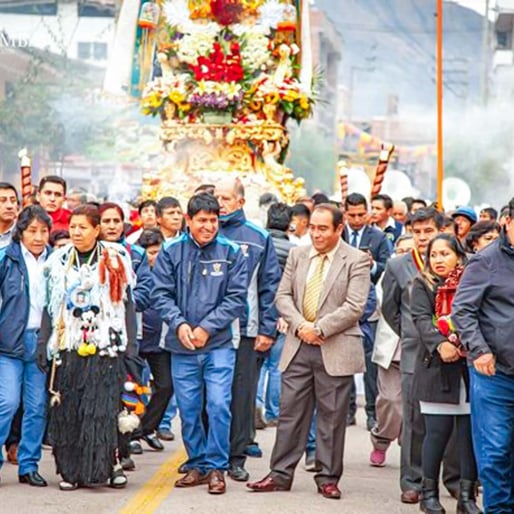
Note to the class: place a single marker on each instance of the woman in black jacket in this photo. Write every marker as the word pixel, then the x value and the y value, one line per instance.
pixel 441 377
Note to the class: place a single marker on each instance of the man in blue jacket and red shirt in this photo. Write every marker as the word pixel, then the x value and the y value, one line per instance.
pixel 258 323
pixel 200 290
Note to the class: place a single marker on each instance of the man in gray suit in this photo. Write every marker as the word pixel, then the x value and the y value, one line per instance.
pixel 397 281
pixel 322 296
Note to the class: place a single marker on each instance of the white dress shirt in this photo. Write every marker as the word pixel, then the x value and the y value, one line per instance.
pixel 36 286
pixel 314 256
pixel 6 237
pixel 350 232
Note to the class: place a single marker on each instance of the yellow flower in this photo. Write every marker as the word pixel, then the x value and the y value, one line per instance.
pixel 256 105
pixel 202 87
pixel 232 89
pixel 153 100
pixel 176 97
pixel 184 107
pixel 291 95
pixel 304 102
pixel 271 98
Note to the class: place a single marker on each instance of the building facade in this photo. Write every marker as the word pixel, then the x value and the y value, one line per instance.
pixel 77 29
pixel 503 56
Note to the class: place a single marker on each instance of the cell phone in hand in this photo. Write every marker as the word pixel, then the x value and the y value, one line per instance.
pixel 364 249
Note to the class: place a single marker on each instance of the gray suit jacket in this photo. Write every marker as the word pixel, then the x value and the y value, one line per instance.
pixel 343 298
pixel 397 283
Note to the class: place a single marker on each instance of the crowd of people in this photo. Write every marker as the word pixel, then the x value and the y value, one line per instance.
pixel 111 323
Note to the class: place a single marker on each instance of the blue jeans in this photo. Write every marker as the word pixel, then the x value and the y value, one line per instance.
pixel 211 374
pixel 492 419
pixel 311 442
pixel 22 377
pixel 169 414
pixel 268 393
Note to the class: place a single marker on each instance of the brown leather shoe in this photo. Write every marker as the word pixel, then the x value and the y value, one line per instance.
pixel 410 496
pixel 12 454
pixel 268 485
pixel 191 479
pixel 330 491
pixel 216 482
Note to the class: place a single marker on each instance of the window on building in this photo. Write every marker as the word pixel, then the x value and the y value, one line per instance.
pixel 502 40
pixel 100 51
pixel 92 51
pixel 97 8
pixel 38 7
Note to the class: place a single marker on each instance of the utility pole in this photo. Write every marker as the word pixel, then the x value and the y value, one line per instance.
pixel 484 76
pixel 439 88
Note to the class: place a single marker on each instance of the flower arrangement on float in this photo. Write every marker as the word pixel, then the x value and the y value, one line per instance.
pixel 234 71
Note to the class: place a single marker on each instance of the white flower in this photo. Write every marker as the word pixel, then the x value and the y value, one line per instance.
pixel 271 13
pixel 254 51
pixel 177 12
pixel 192 46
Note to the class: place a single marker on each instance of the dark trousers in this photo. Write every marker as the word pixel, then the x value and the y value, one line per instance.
pixel 305 385
pixel 162 391
pixel 244 396
pixel 370 389
pixel 413 433
pixel 438 430
pixel 370 379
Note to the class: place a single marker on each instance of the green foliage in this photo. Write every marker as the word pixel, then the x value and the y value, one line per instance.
pixel 312 156
pixel 27 118
pixel 51 111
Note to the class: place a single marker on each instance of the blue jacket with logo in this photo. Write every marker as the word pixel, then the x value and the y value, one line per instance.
pixel 200 285
pixel 260 316
pixel 14 300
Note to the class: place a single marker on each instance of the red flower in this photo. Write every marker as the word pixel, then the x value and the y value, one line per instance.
pixel 226 12
pixel 443 326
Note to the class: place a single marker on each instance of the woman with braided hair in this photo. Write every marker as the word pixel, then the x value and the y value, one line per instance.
pixel 88 331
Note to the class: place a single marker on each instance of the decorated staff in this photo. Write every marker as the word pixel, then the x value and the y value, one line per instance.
pixel 147 22
pixel 343 179
pixel 26 176
pixel 383 161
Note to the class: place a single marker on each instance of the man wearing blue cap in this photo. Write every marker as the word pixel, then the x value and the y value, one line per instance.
pixel 465 217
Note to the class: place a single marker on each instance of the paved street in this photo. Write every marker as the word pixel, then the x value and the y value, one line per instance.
pixel 150 489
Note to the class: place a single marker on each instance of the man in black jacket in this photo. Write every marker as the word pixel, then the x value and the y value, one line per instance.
pixel 268 393
pixel 483 311
pixel 359 234
pixel 279 216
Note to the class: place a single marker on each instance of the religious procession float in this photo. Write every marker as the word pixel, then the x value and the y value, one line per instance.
pixel 231 78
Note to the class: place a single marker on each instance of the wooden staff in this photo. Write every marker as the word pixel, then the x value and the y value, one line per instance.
pixel 383 161
pixel 343 180
pixel 26 176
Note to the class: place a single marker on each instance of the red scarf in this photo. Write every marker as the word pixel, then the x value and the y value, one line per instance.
pixel 446 292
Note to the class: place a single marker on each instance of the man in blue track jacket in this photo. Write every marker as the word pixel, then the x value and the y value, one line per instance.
pixel 258 323
pixel 200 290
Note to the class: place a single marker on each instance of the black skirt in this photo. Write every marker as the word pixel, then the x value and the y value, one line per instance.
pixel 83 429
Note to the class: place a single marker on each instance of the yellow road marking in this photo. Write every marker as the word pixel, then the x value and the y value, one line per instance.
pixel 157 488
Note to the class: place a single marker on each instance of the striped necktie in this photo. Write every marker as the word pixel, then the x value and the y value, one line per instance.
pixel 313 289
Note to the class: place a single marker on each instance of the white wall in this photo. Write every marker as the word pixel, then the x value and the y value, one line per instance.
pixel 61 33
